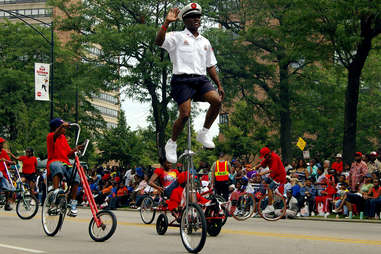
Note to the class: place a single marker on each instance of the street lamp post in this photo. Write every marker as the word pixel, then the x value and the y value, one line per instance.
pixel 50 42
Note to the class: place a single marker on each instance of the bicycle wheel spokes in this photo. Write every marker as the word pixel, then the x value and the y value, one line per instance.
pixel 52 216
pixel 147 212
pixel 106 229
pixel 193 228
pixel 245 207
pixel 27 207
pixel 279 205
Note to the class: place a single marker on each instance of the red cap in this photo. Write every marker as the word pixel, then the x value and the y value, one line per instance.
pixel 2 140
pixel 264 151
pixel 358 154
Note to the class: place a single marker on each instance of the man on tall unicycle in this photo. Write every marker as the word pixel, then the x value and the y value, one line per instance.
pixel 192 57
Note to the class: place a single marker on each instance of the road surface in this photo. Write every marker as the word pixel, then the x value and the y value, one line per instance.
pixel 132 236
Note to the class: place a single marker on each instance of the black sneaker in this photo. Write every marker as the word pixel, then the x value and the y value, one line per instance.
pixel 7 207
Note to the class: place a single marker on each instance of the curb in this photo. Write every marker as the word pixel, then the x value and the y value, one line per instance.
pixel 338 220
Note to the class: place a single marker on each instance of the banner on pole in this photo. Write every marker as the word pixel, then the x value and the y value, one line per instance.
pixel 301 144
pixel 41 81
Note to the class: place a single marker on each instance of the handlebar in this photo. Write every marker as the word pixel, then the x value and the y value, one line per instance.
pixel 78 132
pixel 86 143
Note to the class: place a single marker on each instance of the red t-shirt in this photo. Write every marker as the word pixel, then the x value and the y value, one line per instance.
pixel 376 192
pixel 29 164
pixel 330 190
pixel 4 155
pixel 166 177
pixel 59 150
pixel 337 166
pixel 278 173
pixel 106 176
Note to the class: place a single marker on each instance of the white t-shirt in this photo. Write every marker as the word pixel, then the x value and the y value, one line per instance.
pixel 189 54
pixel 128 177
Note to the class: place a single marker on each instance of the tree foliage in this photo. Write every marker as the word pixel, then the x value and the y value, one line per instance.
pixel 24 121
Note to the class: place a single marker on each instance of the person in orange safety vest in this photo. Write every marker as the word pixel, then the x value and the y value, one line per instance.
pixel 220 176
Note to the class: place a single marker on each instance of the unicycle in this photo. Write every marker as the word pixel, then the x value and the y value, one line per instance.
pixel 193 228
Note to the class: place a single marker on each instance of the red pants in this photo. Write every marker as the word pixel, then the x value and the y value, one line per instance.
pixel 324 200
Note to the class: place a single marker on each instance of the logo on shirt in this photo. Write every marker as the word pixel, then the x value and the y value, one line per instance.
pixel 186 42
pixel 206 48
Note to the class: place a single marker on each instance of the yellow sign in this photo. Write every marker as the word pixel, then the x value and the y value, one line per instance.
pixel 301 144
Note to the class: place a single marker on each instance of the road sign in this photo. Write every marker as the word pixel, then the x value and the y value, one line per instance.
pixel 301 144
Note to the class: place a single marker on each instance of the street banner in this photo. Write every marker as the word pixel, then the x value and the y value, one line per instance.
pixel 41 81
pixel 301 144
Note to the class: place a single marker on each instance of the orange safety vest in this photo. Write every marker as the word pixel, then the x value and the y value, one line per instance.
pixel 221 171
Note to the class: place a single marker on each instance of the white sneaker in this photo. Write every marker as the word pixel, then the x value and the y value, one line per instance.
pixel 312 213
pixel 326 215
pixel 73 208
pixel 269 209
pixel 171 151
pixel 205 140
pixel 298 215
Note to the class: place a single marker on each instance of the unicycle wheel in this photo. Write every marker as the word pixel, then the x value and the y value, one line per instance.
pixel 193 228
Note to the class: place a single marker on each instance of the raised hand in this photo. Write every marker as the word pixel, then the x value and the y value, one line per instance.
pixel 172 15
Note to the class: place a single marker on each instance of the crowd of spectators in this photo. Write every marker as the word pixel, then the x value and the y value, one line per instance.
pixel 323 188
pixel 313 188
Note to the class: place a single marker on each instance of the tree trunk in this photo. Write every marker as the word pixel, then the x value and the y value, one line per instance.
pixel 350 116
pixel 352 93
pixel 285 115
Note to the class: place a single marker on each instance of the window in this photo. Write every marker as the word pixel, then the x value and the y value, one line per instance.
pixel 106 111
pixel 107 97
pixel 40 12
pixel 224 118
pixel 111 125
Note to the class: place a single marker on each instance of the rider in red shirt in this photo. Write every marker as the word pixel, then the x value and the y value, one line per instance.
pixel 29 168
pixel 277 177
pixel 167 178
pixel 58 164
pixel 5 183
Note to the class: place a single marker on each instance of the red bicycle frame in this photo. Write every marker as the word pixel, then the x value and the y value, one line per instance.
pixel 88 193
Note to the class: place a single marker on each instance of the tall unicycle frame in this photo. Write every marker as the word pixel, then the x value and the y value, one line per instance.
pixel 193 228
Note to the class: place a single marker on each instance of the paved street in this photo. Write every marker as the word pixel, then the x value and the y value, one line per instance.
pixel 132 236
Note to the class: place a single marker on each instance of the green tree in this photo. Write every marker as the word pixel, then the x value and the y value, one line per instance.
pixel 343 32
pixel 120 144
pixel 259 59
pixel 243 136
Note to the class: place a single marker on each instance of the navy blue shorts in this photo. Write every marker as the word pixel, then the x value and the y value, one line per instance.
pixel 185 87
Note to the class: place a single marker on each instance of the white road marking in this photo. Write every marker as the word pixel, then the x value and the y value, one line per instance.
pixel 20 248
